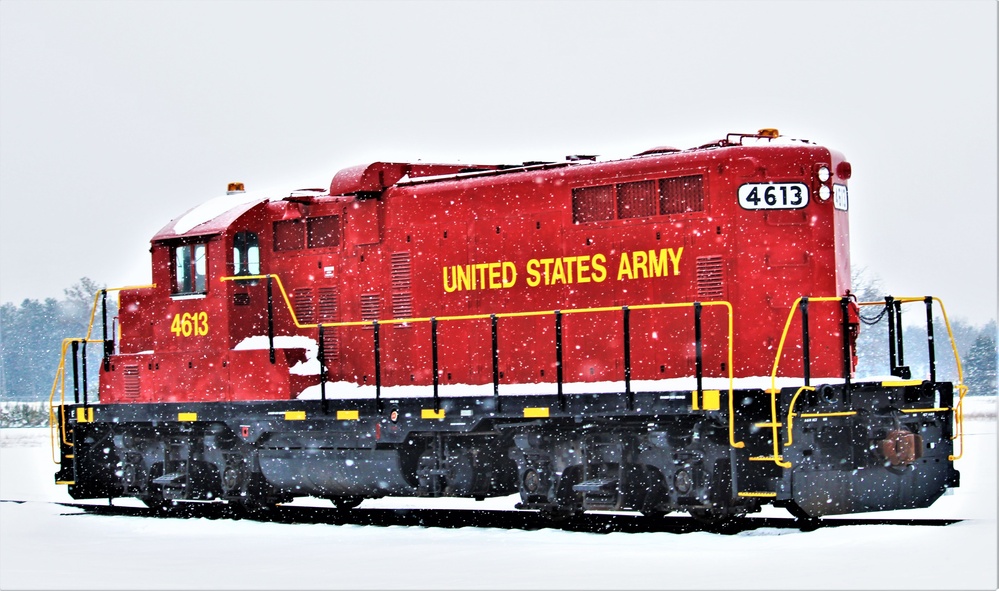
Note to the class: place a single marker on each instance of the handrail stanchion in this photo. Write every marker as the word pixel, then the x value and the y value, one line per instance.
pixel 321 354
pixel 558 358
pixel 844 306
pixel 929 339
pixel 433 355
pixel 626 325
pixel 76 376
pixel 493 328
pixel 107 346
pixel 900 335
pixel 698 345
pixel 270 319
pixel 806 362
pixel 378 366
pixel 892 355
pixel 83 349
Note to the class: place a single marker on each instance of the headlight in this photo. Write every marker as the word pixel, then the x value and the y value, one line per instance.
pixel 823 174
pixel 824 192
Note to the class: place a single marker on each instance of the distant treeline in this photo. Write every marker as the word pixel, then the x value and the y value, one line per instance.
pixel 31 337
pixel 976 347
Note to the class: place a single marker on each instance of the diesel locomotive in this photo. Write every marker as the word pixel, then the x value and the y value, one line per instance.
pixel 668 332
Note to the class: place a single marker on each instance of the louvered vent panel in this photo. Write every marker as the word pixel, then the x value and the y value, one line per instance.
pixel 402 271
pixel 327 304
pixel 303 302
pixel 402 305
pixel 710 277
pixel 402 281
pixel 371 306
pixel 131 376
pixel 328 313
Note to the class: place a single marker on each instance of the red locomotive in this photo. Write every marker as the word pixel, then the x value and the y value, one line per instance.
pixel 670 331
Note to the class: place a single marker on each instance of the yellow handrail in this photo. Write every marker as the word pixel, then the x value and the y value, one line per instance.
pixel 59 382
pixel 726 305
pixel 958 409
pixel 787 326
pixel 962 389
pixel 790 413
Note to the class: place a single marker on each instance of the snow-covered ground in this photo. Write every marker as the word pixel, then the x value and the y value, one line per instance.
pixel 44 545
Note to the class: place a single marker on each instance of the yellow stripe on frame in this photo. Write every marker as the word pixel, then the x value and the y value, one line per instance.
pixel 187 417
pixel 901 383
pixel 710 400
pixel 347 415
pixel 542 412
pixel 294 415
pixel 429 413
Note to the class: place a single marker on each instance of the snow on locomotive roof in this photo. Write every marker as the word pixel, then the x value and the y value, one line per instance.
pixel 216 214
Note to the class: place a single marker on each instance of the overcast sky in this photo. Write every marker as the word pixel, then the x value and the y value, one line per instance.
pixel 116 117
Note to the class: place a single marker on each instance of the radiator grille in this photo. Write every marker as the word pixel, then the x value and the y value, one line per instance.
pixel 328 313
pixel 402 271
pixel 371 306
pixel 682 194
pixel 710 277
pixel 303 302
pixel 131 376
pixel 402 305
pixel 636 200
pixel 402 281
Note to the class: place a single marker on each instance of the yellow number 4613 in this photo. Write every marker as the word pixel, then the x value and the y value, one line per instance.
pixel 187 324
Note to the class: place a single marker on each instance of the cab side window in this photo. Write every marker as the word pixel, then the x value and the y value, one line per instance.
pixel 190 267
pixel 245 254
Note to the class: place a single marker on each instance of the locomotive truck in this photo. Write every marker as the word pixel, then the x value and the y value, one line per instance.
pixel 672 331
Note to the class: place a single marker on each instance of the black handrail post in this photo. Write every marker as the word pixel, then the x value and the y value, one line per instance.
pixel 84 356
pixel 626 324
pixel 76 377
pixel 108 346
pixel 929 338
pixel 433 355
pixel 806 362
pixel 699 349
pixel 558 358
pixel 844 306
pixel 898 333
pixel 495 335
pixel 270 318
pixel 322 368
pixel 892 359
pixel 378 366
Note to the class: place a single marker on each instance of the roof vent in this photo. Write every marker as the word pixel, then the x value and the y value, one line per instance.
pixel 659 150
